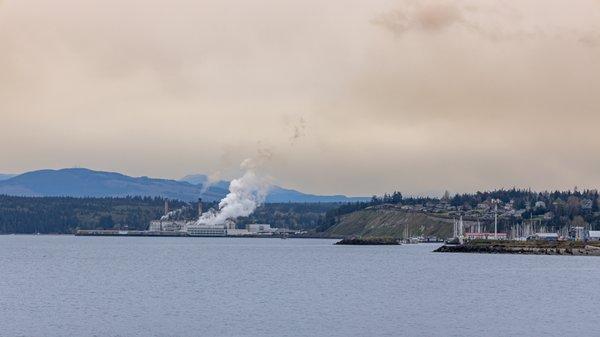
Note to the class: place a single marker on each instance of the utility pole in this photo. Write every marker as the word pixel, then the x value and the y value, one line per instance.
pixel 461 230
pixel 454 234
pixel 495 201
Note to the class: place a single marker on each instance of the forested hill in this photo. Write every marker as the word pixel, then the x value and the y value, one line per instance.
pixel 298 215
pixel 64 215
pixel 390 214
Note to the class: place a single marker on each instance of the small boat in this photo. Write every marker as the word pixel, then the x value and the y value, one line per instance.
pixel 453 241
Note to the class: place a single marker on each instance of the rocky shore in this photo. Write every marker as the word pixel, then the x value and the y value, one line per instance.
pixel 368 241
pixel 524 247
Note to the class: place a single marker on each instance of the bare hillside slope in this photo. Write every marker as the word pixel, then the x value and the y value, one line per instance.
pixel 389 220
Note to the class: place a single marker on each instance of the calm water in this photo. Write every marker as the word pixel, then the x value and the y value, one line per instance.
pixel 86 286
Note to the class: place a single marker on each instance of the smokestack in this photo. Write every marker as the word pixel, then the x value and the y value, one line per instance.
pixel 199 207
pixel 166 206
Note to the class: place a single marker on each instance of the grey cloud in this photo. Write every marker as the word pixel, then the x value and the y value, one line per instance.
pixel 469 94
pixel 431 17
pixel 492 20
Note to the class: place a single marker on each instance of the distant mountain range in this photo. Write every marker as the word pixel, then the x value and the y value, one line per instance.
pixel 80 182
pixel 201 179
pixel 6 176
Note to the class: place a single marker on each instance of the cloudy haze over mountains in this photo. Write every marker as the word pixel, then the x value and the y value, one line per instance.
pixel 79 182
pixel 415 95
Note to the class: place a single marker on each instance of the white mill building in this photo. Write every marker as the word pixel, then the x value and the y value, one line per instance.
pixel 192 228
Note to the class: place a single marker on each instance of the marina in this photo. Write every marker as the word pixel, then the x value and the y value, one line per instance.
pixel 523 239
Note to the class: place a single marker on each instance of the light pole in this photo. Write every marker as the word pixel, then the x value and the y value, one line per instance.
pixel 495 202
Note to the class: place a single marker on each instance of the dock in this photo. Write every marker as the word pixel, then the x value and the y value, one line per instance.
pixel 108 232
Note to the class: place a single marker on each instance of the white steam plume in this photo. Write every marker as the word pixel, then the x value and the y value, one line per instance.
pixel 173 214
pixel 245 195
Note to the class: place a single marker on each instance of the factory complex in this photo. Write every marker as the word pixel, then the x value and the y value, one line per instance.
pixel 167 226
pixel 198 228
pixel 193 228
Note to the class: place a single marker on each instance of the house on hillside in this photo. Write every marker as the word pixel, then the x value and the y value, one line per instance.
pixel 483 206
pixel 519 213
pixel 559 203
pixel 593 236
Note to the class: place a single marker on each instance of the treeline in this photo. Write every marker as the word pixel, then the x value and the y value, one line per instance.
pixel 290 215
pixel 62 215
pixel 67 214
pixel 26 215
pixel 557 208
pixel 527 199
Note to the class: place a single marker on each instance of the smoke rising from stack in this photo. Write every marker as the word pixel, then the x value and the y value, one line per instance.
pixel 170 215
pixel 174 214
pixel 247 192
pixel 245 195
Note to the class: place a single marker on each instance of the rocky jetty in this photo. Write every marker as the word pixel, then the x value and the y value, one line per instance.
pixel 524 247
pixel 368 241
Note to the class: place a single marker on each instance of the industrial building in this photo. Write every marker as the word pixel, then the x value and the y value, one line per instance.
pixel 260 229
pixel 203 230
pixel 193 228
pixel 167 225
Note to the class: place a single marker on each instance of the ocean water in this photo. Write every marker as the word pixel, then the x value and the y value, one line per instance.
pixel 108 286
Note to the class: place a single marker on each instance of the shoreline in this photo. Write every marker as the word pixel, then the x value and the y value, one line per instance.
pixel 173 236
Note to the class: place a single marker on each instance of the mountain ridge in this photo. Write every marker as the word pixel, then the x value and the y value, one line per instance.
pixel 83 182
pixel 4 176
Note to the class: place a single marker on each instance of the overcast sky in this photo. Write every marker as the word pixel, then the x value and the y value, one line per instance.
pixel 343 96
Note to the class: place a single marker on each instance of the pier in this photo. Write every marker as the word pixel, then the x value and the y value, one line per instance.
pixel 108 232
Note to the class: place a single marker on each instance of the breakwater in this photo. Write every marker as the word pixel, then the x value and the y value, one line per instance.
pixel 524 247
pixel 368 241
